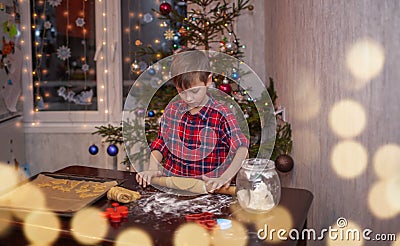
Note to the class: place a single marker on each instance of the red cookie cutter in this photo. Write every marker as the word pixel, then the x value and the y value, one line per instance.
pixel 205 220
pixel 116 213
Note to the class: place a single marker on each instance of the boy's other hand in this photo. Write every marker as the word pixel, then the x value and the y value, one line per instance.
pixel 144 178
pixel 213 184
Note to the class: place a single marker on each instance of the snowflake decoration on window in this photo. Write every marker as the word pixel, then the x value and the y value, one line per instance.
pixel 85 67
pixel 54 3
pixel 169 34
pixel 80 22
pixel 47 25
pixel 63 53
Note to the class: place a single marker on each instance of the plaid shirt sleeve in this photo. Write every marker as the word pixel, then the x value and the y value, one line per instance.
pixel 159 144
pixel 234 135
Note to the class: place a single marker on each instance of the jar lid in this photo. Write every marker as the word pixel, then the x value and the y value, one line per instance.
pixel 258 164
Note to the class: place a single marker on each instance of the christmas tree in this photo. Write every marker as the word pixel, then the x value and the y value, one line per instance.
pixel 206 25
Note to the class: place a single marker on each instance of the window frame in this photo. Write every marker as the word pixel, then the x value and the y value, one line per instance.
pixel 109 76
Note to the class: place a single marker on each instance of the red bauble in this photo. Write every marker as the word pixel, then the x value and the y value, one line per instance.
pixel 225 88
pixel 165 8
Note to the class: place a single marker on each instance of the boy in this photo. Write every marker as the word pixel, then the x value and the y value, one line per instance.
pixel 198 137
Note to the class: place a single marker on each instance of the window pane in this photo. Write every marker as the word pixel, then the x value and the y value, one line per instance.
pixel 141 29
pixel 63 47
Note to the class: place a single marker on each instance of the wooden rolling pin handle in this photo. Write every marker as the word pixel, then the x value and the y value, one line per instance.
pixel 227 191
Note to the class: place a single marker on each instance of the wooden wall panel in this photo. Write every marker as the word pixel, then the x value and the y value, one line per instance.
pixel 307 46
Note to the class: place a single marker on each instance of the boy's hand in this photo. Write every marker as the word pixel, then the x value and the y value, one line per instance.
pixel 213 184
pixel 146 176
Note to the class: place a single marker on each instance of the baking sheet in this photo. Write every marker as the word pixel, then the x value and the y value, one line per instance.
pixel 63 194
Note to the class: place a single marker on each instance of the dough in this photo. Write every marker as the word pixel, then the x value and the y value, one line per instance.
pixel 122 195
pixel 186 184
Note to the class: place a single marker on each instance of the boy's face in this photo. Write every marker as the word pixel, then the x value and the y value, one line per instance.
pixel 195 95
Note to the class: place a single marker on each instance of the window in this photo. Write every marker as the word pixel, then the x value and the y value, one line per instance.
pixel 63 45
pixel 144 38
pixel 79 55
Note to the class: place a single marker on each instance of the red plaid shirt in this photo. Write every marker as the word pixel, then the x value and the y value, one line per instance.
pixel 200 144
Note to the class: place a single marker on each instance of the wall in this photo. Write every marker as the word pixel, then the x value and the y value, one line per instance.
pixel 335 64
pixel 12 141
pixel 52 151
pixel 248 27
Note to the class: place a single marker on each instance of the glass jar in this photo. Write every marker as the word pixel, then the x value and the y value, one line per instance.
pixel 258 188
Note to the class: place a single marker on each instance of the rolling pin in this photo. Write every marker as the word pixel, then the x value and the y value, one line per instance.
pixel 193 185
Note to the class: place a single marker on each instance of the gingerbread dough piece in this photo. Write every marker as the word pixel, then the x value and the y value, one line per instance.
pixel 123 195
pixel 185 184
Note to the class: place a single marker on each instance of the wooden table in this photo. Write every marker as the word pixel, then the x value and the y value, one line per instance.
pixel 147 214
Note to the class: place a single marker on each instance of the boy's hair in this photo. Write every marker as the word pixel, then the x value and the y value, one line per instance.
pixel 189 60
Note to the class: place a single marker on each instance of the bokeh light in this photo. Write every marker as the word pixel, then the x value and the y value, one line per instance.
pixel 88 226
pixel 236 235
pixel 350 235
pixel 347 118
pixel 308 97
pixel 8 178
pixel 378 201
pixel 133 237
pixel 365 60
pixel 5 221
pixel 387 161
pixel 191 234
pixel 393 192
pixel 42 228
pixel 26 198
pixel 349 159
pixel 277 219
pixel 242 215
pixel 397 242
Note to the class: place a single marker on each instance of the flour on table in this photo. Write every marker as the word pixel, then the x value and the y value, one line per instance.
pixel 164 206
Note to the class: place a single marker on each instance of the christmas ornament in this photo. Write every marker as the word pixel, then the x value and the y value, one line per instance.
pixel 47 25
pixel 182 31
pixel 112 150
pixel 151 113
pixel 63 53
pixel 165 8
pixel 142 65
pixel 251 7
pixel 229 46
pixel 147 18
pixel 54 3
pixel 225 86
pixel 284 163
pixel 85 67
pixel 140 112
pixel 152 71
pixel 138 42
pixel 93 149
pixel 135 68
pixel 235 75
pixel 176 38
pixel 169 34
pixel 80 22
pixel 246 115
pixel 83 98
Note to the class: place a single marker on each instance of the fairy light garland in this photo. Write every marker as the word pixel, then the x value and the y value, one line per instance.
pixel 103 86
